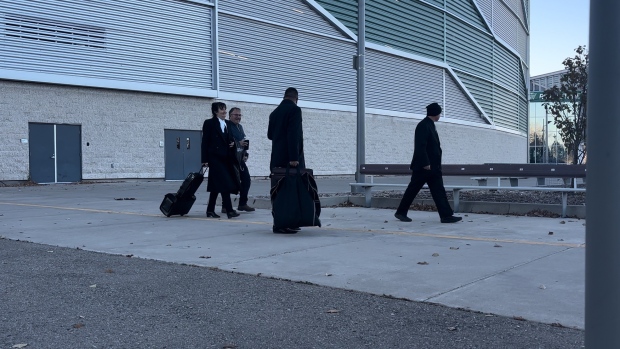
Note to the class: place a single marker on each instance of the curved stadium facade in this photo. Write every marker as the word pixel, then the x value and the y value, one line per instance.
pixel 107 90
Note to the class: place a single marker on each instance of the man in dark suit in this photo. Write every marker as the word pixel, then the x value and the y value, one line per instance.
pixel 219 154
pixel 287 139
pixel 426 167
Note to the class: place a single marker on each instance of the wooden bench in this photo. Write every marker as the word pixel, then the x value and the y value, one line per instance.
pixel 489 170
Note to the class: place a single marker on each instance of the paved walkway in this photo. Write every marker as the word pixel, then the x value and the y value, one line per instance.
pixel 519 267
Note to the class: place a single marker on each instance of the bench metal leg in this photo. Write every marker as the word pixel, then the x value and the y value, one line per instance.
pixel 564 203
pixel 514 182
pixel 368 195
pixel 455 199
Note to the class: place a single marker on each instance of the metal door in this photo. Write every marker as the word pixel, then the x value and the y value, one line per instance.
pixel 55 153
pixel 42 153
pixel 181 152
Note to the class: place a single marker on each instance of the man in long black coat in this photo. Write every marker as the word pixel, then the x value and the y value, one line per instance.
pixel 219 154
pixel 287 139
pixel 426 167
pixel 286 133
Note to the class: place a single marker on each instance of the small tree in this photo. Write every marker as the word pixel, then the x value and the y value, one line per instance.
pixel 567 104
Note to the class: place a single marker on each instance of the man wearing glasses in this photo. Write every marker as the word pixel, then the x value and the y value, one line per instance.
pixel 242 155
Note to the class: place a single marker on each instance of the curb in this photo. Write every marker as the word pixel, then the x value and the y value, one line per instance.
pixel 484 207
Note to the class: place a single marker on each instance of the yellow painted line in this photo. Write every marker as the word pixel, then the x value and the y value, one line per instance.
pixel 381 231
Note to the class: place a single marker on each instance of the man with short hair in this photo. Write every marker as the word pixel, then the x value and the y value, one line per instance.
pixel 234 115
pixel 426 167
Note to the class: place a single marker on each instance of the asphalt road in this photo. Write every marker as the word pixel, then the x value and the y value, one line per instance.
pixel 56 297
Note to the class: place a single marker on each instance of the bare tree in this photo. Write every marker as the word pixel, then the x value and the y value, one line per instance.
pixel 567 103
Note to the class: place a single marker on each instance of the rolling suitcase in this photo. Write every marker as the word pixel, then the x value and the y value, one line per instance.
pixel 181 202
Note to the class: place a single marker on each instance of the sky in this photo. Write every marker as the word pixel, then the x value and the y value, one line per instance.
pixel 557 27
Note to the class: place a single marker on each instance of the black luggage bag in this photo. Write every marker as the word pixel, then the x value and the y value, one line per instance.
pixel 294 198
pixel 181 202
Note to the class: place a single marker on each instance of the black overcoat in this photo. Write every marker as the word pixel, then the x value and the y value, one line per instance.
pixel 286 134
pixel 427 148
pixel 222 159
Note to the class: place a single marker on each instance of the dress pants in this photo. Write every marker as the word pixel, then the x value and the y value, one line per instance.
pixel 434 180
pixel 244 175
pixel 226 202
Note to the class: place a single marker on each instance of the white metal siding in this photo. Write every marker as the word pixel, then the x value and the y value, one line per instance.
pixel 482 90
pixel 466 11
pixel 400 84
pixel 263 59
pixel 290 13
pixel 457 105
pixel 150 42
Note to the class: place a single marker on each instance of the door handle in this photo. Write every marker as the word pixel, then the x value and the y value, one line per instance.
pixel 188 145
pixel 178 142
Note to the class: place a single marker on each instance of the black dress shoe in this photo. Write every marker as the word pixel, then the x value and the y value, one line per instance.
pixel 212 215
pixel 402 217
pixel 246 208
pixel 232 214
pixel 450 219
pixel 295 229
pixel 284 231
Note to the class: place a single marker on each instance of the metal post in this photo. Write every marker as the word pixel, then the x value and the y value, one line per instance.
pixel 603 226
pixel 361 101
pixel 546 135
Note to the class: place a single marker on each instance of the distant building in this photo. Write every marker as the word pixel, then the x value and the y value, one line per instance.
pixel 545 144
pixel 104 89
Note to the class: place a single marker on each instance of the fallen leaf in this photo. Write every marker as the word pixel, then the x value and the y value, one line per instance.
pixel 435 254
pixel 560 239
pixel 454 248
pixel 452 328
pixel 328 274
pixel 22 345
pixel 333 311
pixel 129 255
pixel 50 251
pixel 205 257
pixel 77 325
pixel 423 263
pixel 109 271
pixel 562 222
pixel 93 286
pixel 519 318
pixel 496 245
pixel 542 287
pixel 385 221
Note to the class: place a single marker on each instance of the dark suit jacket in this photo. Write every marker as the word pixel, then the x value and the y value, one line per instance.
pixel 286 134
pixel 222 159
pixel 427 148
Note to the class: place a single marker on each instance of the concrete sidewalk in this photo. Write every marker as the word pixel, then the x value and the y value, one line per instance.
pixel 524 267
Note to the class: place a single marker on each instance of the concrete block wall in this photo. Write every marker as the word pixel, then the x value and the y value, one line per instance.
pixel 122 131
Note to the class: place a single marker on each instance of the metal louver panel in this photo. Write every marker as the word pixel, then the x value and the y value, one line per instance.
pixel 523 103
pixel 505 108
pixel 517 7
pixel 400 84
pixel 295 14
pixel 263 59
pixel 458 106
pixel 522 42
pixel 410 26
pixel 482 91
pixel 505 24
pixel 130 44
pixel 466 11
pixel 486 6
pixel 506 67
pixel 438 3
pixel 469 49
